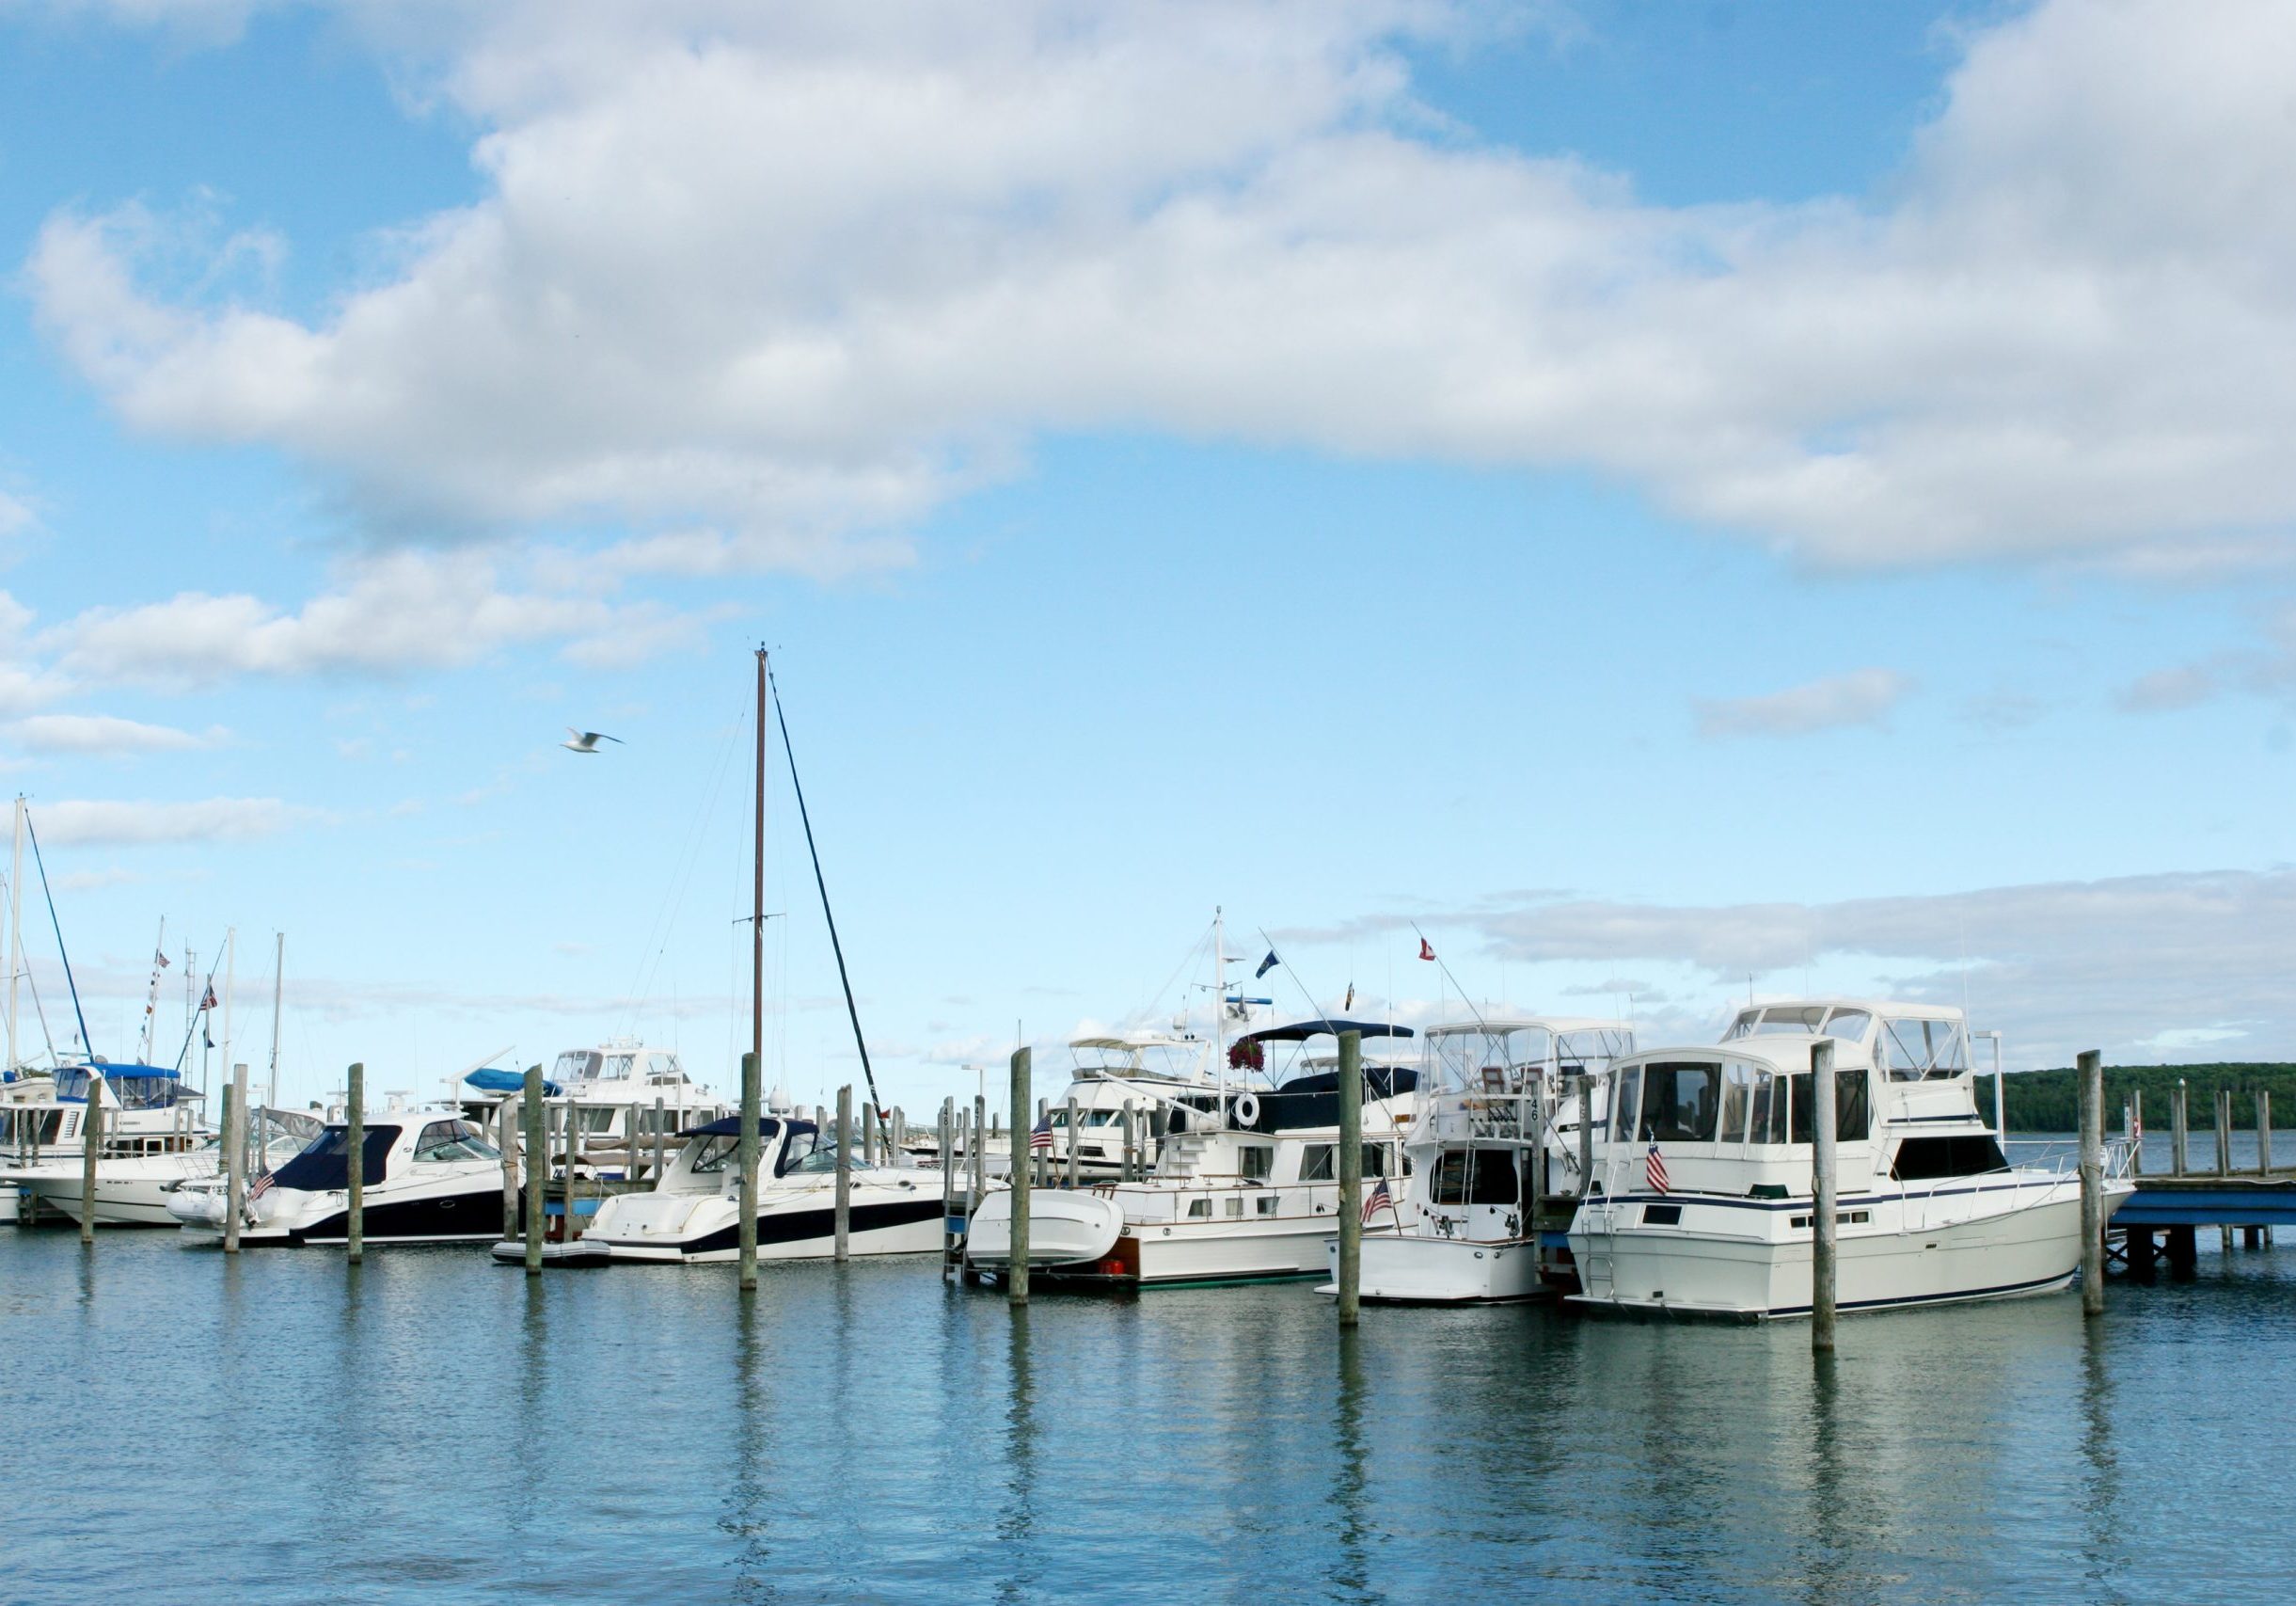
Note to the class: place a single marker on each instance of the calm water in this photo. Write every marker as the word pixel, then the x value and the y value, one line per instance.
pixel 433 1427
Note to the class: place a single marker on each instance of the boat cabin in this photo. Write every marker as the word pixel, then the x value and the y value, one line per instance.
pixel 711 1161
pixel 388 1148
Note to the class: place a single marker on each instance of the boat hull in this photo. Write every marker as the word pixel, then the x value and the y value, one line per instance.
pixel 120 1202
pixel 1410 1269
pixel 1983 1242
pixel 892 1219
pixel 427 1214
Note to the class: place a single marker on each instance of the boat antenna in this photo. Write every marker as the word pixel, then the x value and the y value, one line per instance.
pixel 781 719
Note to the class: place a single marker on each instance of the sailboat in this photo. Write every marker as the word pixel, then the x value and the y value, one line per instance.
pixel 694 1209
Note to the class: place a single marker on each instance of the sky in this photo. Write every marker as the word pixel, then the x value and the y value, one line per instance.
pixel 1667 502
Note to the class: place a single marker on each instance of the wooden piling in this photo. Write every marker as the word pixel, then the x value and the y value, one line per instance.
pixel 506 1140
pixel 2179 1152
pixel 868 1129
pixel 1586 1132
pixel 2264 1132
pixel 1351 1177
pixel 1075 1149
pixel 91 1149
pixel 355 1167
pixel 1128 1172
pixel 746 1233
pixel 976 1149
pixel 537 1163
pixel 567 1229
pixel 845 1170
pixel 1016 1277
pixel 2092 1089
pixel 2224 1133
pixel 661 1139
pixel 1823 1263
pixel 634 1148
pixel 2136 1132
pixel 235 1159
pixel 948 1180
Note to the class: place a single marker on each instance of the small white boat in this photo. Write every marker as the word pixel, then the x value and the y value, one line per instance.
pixel 694 1211
pixel 427 1177
pixel 1702 1203
pixel 1496 1129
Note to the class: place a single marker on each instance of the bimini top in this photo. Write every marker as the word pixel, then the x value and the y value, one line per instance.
pixel 1306 1029
pixel 730 1126
pixel 133 1087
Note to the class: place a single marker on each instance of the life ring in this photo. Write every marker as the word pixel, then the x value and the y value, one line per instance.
pixel 1246 1110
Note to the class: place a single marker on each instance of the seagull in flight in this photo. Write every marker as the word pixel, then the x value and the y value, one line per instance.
pixel 587 740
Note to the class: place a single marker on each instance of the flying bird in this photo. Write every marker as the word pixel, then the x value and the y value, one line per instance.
pixel 587 740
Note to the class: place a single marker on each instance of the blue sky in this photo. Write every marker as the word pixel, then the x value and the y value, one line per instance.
pixel 1651 494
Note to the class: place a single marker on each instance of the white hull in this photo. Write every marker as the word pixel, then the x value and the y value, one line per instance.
pixel 1984 1239
pixel 796 1220
pixel 1410 1269
pixel 1086 1236
pixel 136 1200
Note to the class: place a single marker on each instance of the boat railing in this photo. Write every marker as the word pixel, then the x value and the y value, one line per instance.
pixel 2064 1158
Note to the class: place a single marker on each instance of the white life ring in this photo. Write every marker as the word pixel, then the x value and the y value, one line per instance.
pixel 1246 1110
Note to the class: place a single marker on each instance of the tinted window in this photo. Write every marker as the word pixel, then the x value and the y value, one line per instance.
pixel 1963 1154
pixel 1254 1160
pixel 451 1140
pixel 1316 1163
pixel 1628 1087
pixel 1476 1176
pixel 1852 1119
pixel 1681 1102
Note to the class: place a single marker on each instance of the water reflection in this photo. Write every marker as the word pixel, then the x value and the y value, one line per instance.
pixel 2100 1480
pixel 748 1517
pixel 1349 1573
pixel 1016 1522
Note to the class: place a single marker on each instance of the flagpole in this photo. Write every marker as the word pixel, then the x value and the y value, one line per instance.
pixel 15 929
pixel 230 967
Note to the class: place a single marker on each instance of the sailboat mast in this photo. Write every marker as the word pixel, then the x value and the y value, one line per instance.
pixel 1219 1001
pixel 757 888
pixel 15 929
pixel 279 982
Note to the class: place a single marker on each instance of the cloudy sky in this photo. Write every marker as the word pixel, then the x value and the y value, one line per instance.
pixel 1663 500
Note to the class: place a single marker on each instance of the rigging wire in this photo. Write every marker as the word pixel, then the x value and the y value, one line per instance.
pixel 88 1047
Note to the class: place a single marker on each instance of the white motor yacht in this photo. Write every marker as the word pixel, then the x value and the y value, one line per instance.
pixel 1143 1072
pixel 153 1138
pixel 623 1091
pixel 694 1211
pixel 1495 1129
pixel 1247 1192
pixel 426 1176
pixel 1701 1202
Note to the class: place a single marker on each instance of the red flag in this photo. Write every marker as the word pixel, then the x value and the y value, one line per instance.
pixel 1425 952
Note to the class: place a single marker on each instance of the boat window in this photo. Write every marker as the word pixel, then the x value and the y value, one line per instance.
pixel 452 1140
pixel 617 1066
pixel 598 1119
pixel 1767 1122
pixel 1911 1050
pixel 1103 1117
pixel 1235 1207
pixel 1681 1101
pixel 1254 1160
pixel 1737 1096
pixel 1199 1210
pixel 1850 1026
pixel 1316 1163
pixel 1852 1111
pixel 1476 1176
pixel 575 1065
pixel 664 1065
pixel 1625 1102
pixel 1958 1154
pixel 321 1167
pixel 803 1140
pixel 1267 1203
pixel 822 1159
pixel 1662 1215
pixel 716 1153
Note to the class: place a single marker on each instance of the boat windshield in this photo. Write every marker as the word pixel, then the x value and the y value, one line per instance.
pixel 133 1091
pixel 1801 1020
pixel 575 1065
pixel 1913 1050
pixel 821 1159
pixel 1729 1101
pixel 444 1141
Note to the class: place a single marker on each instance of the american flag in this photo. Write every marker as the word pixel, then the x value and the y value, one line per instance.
pixel 209 1002
pixel 1654 1170
pixel 262 1184
pixel 1380 1199
pixel 1040 1135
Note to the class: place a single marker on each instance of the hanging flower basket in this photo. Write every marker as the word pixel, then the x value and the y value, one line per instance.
pixel 1246 1055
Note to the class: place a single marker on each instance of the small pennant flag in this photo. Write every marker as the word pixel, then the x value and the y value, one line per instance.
pixel 1266 964
pixel 1425 952
pixel 1040 1135
pixel 1654 1170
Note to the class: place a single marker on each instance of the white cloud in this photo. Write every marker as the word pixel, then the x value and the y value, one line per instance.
pixel 141 824
pixel 15 515
pixel 106 736
pixel 2166 690
pixel 2061 966
pixel 755 278
pixel 1861 697
pixel 392 613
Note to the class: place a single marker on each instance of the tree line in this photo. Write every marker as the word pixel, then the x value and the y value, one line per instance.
pixel 2050 1100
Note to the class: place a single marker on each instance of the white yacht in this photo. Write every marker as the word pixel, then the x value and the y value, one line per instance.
pixel 1496 1129
pixel 621 1090
pixel 426 1176
pixel 153 1138
pixel 1702 1199
pixel 1145 1072
pixel 1247 1191
pixel 694 1211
